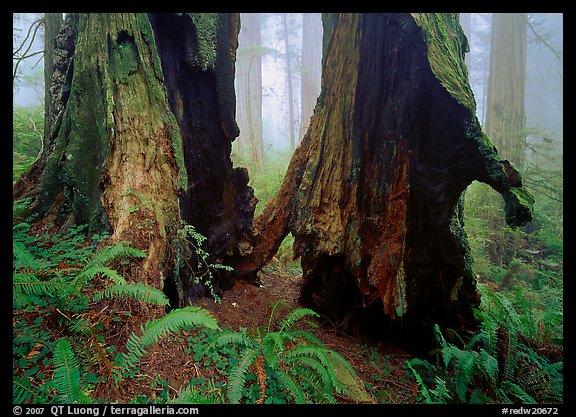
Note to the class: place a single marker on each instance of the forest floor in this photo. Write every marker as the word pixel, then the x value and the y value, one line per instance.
pixel 381 367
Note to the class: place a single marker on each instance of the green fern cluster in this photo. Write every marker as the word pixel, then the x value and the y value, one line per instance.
pixel 494 366
pixel 293 359
pixel 51 283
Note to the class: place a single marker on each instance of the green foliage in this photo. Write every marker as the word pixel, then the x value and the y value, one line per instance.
pixel 188 249
pixel 27 133
pixel 152 331
pixel 291 359
pixel 55 280
pixel 267 180
pixel 493 367
pixel 67 374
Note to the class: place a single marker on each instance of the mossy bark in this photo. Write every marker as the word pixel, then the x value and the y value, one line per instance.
pixel 123 156
pixel 374 193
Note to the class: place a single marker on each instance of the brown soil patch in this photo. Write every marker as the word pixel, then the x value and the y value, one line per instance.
pixel 249 306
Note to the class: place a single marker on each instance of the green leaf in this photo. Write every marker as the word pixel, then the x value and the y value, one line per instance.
pixel 138 291
pixel 67 373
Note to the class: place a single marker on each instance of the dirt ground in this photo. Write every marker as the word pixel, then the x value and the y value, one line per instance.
pixel 247 306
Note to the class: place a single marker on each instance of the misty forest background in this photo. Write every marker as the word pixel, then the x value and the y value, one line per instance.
pixel 278 72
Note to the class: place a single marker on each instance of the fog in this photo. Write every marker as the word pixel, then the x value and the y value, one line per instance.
pixel 543 91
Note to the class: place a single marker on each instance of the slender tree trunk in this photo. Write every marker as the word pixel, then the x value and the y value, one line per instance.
pixel 373 195
pixel 505 117
pixel 250 142
pixel 311 67
pixel 143 137
pixel 291 117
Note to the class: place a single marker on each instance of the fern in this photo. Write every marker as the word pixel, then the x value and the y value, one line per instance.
pixel 138 291
pixel 295 359
pixel 235 338
pixel 152 332
pixel 191 395
pixel 295 315
pixel 237 378
pixel 108 254
pixel 67 374
pixel 23 258
pixel 423 388
pixel 24 392
pixel 292 387
pixel 28 284
pixel 90 272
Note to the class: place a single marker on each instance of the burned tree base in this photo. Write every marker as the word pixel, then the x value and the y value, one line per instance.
pixel 374 194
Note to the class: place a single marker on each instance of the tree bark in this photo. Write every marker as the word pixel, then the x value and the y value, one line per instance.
pixel 52 24
pixel 142 140
pixel 373 195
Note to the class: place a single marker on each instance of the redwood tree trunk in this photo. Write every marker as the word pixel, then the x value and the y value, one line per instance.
pixel 505 102
pixel 250 142
pixel 374 193
pixel 311 68
pixel 143 138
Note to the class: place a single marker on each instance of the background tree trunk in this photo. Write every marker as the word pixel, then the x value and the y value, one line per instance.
pixel 311 69
pixel 58 92
pixel 505 116
pixel 291 117
pixel 250 142
pixel 466 23
pixel 373 195
pixel 140 144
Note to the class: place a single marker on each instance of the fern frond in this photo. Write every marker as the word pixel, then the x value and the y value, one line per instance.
pixel 306 336
pixel 488 365
pixel 488 333
pixel 449 352
pixel 236 338
pixel 440 392
pixel 321 355
pixel 501 308
pixel 89 273
pixel 237 378
pixel 24 392
pixel 67 373
pixel 107 254
pixel 137 291
pixel 299 363
pixel 423 388
pixel 295 315
pixel 23 258
pixel 30 285
pixel 348 382
pixel 465 365
pixel 478 396
pixel 311 372
pixel 292 387
pixel 191 395
pixel 276 305
pixel 518 392
pixel 511 361
pixel 152 331
pixel 20 300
